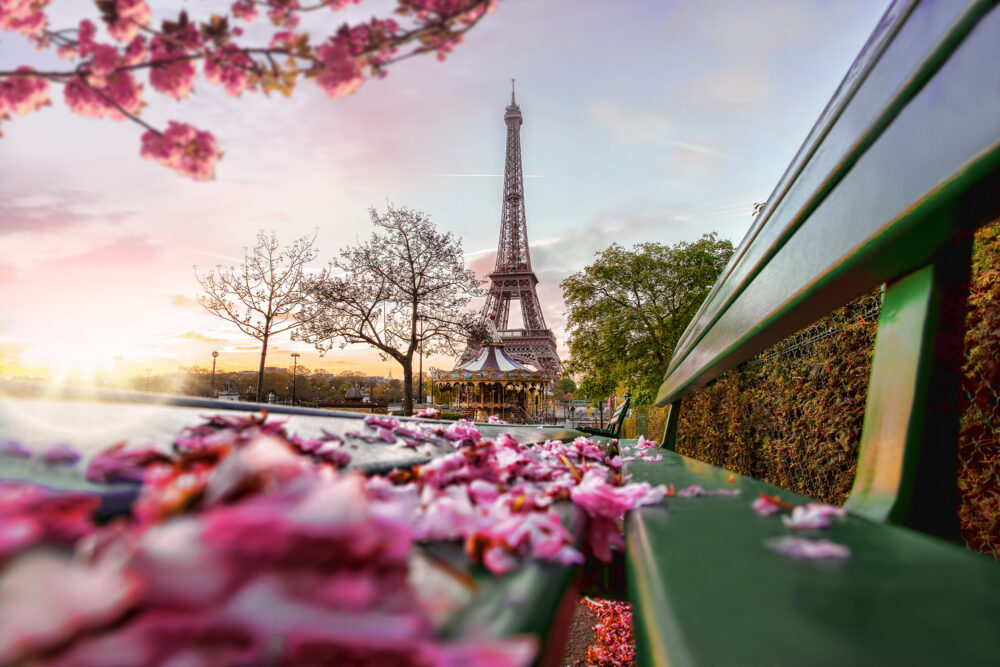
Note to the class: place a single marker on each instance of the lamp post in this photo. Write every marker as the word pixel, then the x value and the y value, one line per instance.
pixel 214 356
pixel 295 367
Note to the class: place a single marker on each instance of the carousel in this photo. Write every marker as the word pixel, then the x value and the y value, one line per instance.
pixel 495 385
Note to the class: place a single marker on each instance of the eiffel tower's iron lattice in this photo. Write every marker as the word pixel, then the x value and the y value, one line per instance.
pixel 512 277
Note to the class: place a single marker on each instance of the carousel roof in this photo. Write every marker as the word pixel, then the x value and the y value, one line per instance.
pixel 493 358
pixel 493 364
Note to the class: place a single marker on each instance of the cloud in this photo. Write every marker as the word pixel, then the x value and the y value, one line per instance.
pixel 641 127
pixel 182 301
pixel 194 335
pixel 50 210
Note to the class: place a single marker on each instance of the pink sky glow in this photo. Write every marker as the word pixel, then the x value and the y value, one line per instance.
pixel 643 121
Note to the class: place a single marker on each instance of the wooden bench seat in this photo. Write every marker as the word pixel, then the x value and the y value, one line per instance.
pixel 706 591
pixel 536 599
pixel 888 189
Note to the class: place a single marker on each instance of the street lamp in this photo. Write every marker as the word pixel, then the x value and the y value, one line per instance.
pixel 214 356
pixel 295 366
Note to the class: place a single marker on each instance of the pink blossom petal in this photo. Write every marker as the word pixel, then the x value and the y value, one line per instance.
pixel 46 599
pixel 61 455
pixel 723 492
pixel 798 547
pixel 764 505
pixel 812 515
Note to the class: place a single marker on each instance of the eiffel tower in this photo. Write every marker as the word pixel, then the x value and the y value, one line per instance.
pixel 512 277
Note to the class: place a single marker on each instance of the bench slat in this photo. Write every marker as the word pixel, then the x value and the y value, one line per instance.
pixel 707 592
pixel 908 459
pixel 928 177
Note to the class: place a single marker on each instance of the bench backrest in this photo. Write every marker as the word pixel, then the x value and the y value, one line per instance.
pixel 617 419
pixel 900 169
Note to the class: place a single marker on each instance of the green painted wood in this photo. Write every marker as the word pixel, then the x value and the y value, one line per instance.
pixel 705 591
pixel 669 438
pixel 908 461
pixel 922 172
pixel 615 422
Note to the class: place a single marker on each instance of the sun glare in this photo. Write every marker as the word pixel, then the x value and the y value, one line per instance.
pixel 80 355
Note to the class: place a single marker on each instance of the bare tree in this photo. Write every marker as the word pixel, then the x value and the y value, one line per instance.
pixel 263 296
pixel 404 289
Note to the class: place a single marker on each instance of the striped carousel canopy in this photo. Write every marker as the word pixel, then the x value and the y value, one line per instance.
pixel 493 358
pixel 494 364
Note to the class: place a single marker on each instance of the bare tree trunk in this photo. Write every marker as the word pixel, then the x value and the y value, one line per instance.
pixel 407 365
pixel 260 373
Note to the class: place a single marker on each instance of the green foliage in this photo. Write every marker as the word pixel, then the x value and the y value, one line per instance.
pixel 793 417
pixel 628 309
pixel 564 386
pixel 979 438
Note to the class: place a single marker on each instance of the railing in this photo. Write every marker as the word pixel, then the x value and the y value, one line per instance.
pixel 525 333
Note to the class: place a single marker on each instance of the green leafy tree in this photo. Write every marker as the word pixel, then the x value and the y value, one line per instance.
pixel 628 309
pixel 565 385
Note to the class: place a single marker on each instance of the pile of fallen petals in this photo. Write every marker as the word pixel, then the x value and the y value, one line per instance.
pixel 250 545
pixel 614 641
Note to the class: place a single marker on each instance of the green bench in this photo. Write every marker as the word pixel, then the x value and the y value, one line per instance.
pixel 615 422
pixel 890 185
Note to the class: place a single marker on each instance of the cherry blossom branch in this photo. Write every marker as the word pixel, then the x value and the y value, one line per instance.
pixel 100 93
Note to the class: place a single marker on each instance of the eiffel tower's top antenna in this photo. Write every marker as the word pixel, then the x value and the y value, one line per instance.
pixel 512 92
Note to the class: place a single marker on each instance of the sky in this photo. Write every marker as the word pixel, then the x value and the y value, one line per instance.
pixel 658 120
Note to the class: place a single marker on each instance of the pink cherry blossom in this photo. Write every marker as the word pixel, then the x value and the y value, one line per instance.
pixel 765 505
pixel 85 37
pixel 130 15
pixel 184 149
pixel 172 73
pixel 813 515
pixel 642 443
pixel 117 464
pixel 244 10
pixel 428 413
pixel 341 73
pixel 104 60
pixel 599 498
pixel 284 14
pixel 61 455
pixel 121 87
pixel 14 449
pixel 798 547
pixel 232 68
pixel 374 421
pixel 46 599
pixel 136 52
pixel 462 431
pixel 493 419
pixel 23 16
pixel 23 94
